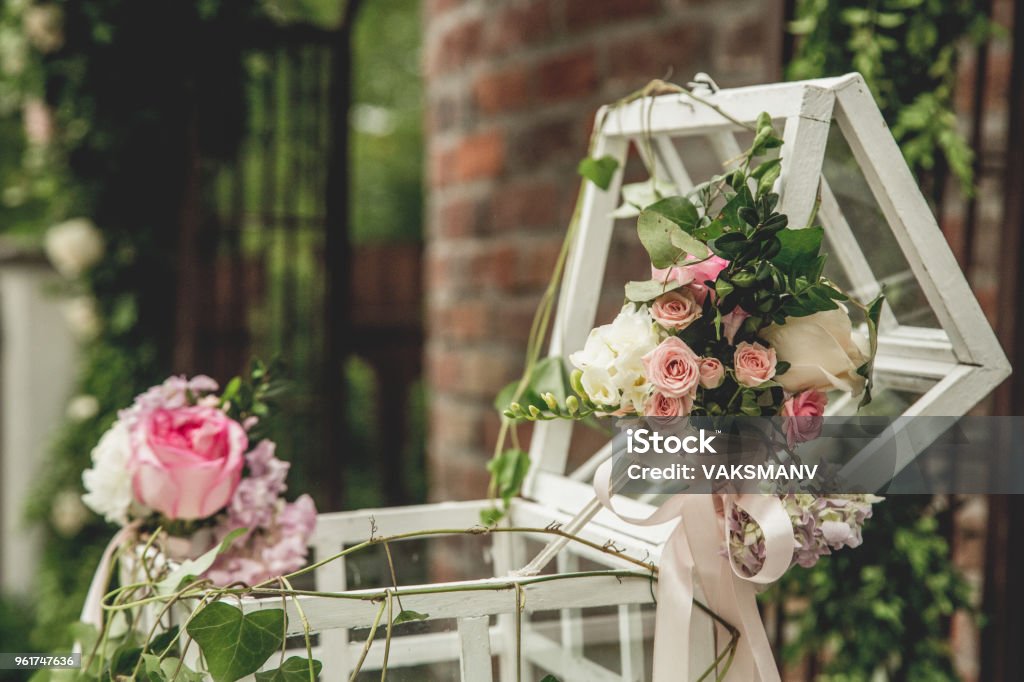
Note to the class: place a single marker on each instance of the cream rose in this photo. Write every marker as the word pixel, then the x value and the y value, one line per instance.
pixel 676 309
pixel 822 350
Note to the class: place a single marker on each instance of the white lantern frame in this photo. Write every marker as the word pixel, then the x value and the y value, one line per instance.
pixel 955 366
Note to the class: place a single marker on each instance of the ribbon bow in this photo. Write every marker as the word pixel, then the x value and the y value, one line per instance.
pixel 695 549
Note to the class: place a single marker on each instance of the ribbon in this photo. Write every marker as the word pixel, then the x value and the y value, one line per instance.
pixel 92 610
pixel 694 551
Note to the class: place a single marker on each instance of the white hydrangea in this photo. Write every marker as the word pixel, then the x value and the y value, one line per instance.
pixel 108 484
pixel 612 359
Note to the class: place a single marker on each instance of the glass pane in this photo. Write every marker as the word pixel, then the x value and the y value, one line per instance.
pixel 881 251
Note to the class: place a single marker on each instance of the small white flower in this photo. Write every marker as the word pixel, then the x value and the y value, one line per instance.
pixel 82 407
pixel 80 314
pixel 599 386
pixel 74 246
pixel 108 483
pixel 67 513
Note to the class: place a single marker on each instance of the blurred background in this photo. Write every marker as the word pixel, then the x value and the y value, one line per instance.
pixel 373 192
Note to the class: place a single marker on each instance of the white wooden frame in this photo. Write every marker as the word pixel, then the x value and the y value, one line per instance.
pixel 954 368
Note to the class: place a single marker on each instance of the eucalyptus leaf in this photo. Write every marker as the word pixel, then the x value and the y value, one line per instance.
pixel 295 669
pixel 641 292
pixel 655 231
pixel 691 245
pixel 236 644
pixel 679 210
pixel 599 171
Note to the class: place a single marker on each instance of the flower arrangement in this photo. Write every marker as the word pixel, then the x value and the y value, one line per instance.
pixel 736 319
pixel 190 461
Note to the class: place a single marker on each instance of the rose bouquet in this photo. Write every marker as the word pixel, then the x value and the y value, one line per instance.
pixel 190 461
pixel 736 319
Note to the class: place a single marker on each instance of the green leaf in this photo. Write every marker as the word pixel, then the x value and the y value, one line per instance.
pixel 549 678
pixel 679 210
pixel 799 249
pixel 491 516
pixel 873 315
pixel 191 568
pixel 690 245
pixel 548 376
pixel 599 171
pixel 235 644
pixel 641 292
pixel 509 470
pixel 295 669
pixel 655 231
pixel 408 616
pixel 155 670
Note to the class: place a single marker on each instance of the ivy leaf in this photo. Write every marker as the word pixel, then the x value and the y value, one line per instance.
pixel 295 669
pixel 641 292
pixel 549 678
pixel 236 644
pixel 509 470
pixel 799 249
pixel 599 171
pixel 191 568
pixel 409 616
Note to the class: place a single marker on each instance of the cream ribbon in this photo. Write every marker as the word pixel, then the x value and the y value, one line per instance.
pixel 695 550
pixel 92 610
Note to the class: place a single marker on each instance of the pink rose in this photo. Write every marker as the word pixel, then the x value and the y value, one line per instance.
pixel 802 416
pixel 754 364
pixel 673 368
pixel 661 405
pixel 712 373
pixel 732 322
pixel 693 275
pixel 675 309
pixel 186 462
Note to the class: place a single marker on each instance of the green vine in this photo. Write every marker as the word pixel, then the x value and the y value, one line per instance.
pixel 907 52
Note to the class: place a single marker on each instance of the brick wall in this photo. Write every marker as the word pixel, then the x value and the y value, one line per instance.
pixel 512 88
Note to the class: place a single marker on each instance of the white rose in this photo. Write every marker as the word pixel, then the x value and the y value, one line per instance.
pixel 108 484
pixel 82 318
pixel 822 350
pixel 74 246
pixel 82 407
pixel 599 386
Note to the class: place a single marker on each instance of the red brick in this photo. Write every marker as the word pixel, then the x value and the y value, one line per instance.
pixel 435 8
pixel 529 204
pixel 453 49
pixel 504 90
pixel 555 144
pixel 457 477
pixel 569 76
pixel 518 24
pixel 462 321
pixel 458 218
pixel 580 14
pixel 537 262
pixel 677 50
pixel 442 164
pixel 481 155
pixel 494 268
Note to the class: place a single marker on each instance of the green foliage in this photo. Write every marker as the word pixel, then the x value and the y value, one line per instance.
pixel 236 644
pixel 907 52
pixel 509 471
pixel 295 669
pixel 409 616
pixel 880 611
pixel 387 123
pixel 599 171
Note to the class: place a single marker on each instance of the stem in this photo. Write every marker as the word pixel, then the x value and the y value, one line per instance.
pixel 520 597
pixel 387 644
pixel 369 643
pixel 305 629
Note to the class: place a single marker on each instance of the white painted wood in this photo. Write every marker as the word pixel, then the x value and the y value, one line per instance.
pixel 548 654
pixel 803 151
pixel 475 649
pixel 631 643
